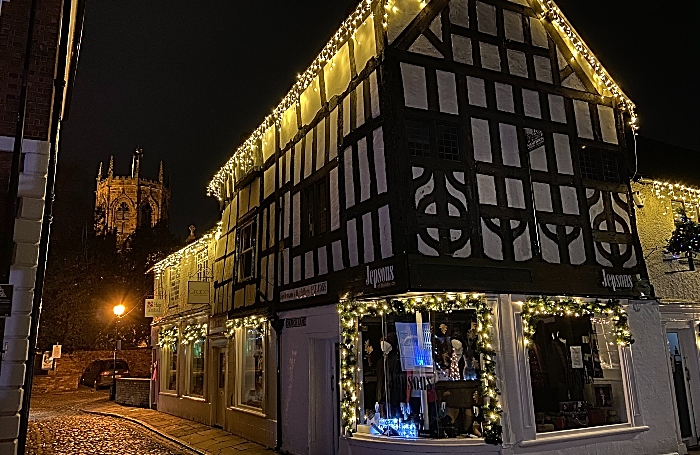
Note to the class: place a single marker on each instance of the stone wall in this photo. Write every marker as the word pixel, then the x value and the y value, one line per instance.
pixel 133 392
pixel 70 367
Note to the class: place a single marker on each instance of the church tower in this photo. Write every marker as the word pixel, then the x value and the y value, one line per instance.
pixel 123 204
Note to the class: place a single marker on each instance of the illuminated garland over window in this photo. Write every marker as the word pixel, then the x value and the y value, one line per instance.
pixel 552 12
pixel 536 307
pixel 351 311
pixel 248 322
pixel 192 249
pixel 194 333
pixel 168 336
pixel 675 192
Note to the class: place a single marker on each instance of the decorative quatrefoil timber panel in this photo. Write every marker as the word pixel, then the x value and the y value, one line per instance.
pixel 611 223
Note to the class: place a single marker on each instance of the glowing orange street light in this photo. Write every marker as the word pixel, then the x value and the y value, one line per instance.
pixel 119 310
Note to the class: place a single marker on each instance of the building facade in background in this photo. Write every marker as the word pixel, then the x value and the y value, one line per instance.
pixel 54 51
pixel 123 204
pixel 433 238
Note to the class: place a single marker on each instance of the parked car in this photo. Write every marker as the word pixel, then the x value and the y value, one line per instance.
pixel 99 373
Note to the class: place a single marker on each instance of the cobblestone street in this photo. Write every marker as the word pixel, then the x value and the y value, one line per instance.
pixel 58 427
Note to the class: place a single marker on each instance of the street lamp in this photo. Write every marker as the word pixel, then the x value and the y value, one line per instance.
pixel 118 312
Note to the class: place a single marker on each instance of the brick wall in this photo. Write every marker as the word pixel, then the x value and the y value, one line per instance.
pixel 133 392
pixel 13 41
pixel 70 367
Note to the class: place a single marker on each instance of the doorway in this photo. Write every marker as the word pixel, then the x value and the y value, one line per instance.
pixel 220 356
pixel 681 377
pixel 324 399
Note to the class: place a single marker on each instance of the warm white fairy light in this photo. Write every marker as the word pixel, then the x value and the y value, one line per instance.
pixel 669 192
pixel 191 249
pixel 194 333
pixel 247 322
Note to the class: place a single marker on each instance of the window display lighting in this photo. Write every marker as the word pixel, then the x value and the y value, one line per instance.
pixel 255 322
pixel 194 333
pixel 168 336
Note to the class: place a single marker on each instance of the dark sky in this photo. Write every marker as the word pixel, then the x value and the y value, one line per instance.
pixel 185 79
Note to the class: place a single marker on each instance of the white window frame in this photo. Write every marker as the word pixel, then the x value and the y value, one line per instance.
pixel 238 384
pixel 166 355
pixel 188 352
pixel 252 224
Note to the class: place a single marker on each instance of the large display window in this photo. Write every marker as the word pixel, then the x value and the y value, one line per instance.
pixel 252 366
pixel 195 359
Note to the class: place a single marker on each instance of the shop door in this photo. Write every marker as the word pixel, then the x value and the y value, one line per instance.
pixel 681 386
pixel 220 398
pixel 323 394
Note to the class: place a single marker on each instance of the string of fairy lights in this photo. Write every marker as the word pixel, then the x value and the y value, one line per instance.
pixel 191 249
pixel 247 322
pixel 194 333
pixel 670 192
pixel 352 311
pixel 168 336
pixel 537 307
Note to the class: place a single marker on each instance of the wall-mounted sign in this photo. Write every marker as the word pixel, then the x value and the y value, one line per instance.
pixel 576 356
pixel 295 322
pixel 5 300
pixel 46 361
pixel 303 292
pixel 198 292
pixel 615 282
pixel 380 277
pixel 155 308
pixel 56 351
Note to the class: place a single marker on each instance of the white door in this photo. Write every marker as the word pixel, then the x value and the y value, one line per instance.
pixel 323 394
pixel 679 345
pixel 220 386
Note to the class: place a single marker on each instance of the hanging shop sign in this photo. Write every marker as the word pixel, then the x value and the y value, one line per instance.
pixel 5 300
pixel 380 277
pixel 615 282
pixel 304 292
pixel 155 308
pixel 46 361
pixel 56 351
pixel 198 292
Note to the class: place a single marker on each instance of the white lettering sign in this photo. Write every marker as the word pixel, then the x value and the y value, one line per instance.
pixel 155 308
pixel 198 292
pixel 616 282
pixel 303 292
pixel 380 277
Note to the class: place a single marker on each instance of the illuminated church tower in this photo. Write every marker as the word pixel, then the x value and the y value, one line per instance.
pixel 124 203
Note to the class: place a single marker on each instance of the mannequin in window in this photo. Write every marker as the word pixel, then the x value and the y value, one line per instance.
pixel 389 378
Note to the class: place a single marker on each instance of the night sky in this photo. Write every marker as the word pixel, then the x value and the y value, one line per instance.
pixel 184 80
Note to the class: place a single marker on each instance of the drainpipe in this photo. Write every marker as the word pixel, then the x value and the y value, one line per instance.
pixel 57 118
pixel 278 324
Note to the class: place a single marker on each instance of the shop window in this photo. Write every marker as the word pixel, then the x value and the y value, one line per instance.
pixel 316 209
pixel 195 360
pixel 246 252
pixel 169 360
pixel 253 368
pixel 420 374
pixel 575 373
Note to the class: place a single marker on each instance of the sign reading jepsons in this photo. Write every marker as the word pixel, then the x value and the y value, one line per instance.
pixel 380 277
pixel 155 308
pixel 616 282
pixel 303 292
pixel 197 292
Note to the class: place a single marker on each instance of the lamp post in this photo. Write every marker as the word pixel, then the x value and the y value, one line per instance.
pixel 118 312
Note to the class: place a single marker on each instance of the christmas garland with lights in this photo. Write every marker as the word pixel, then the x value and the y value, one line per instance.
pixel 168 335
pixel 536 307
pixel 248 322
pixel 194 333
pixel 351 311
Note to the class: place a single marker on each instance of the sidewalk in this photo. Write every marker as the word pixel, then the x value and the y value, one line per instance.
pixel 194 436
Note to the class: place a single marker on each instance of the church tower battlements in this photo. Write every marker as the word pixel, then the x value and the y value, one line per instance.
pixel 124 203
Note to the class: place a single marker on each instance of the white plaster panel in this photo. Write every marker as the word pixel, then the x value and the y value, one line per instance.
pixel 493 246
pixel 436 27
pixel 320 144
pixel 352 242
pixel 296 269
pixel 336 73
pixel 562 150
pixel 346 116
pixel 298 151
pixel 561 60
pixel 365 44
pixel 599 256
pixel 476 91
pixel 463 252
pixel 296 231
pixel 632 261
pixel 447 92
pixel 607 124
pixel 425 249
pixel 334 201
pixel 577 250
pixel 574 82
pixel 349 179
pixel 333 142
pixel 542 196
pixel 379 161
pixel 423 46
pixel 482 140
pixel 517 63
pixel 415 90
pixel 359 105
pixel 363 164
pixel 459 12
pixel 550 248
pixel 543 69
pixel 513 23
pixel 385 244
pixel 424 190
pixel 486 18
pixel 454 192
pixel 462 49
pixel 287 213
pixel 337 250
pixel 289 126
pixel 269 181
pixel 538 159
pixel 522 248
pixel 374 94
pixel 309 154
pixel 490 56
pixel 557 111
pixel 569 200
pixel 538 33
pixel 308 265
pixel 322 261
pixel 514 193
pixel 268 143
pixel 531 103
pixel 367 239
pixel 504 97
pixel 509 144
pixel 310 101
pixel 486 185
pixel 583 119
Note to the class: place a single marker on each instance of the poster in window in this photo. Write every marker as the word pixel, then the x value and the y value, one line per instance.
pixel 576 356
